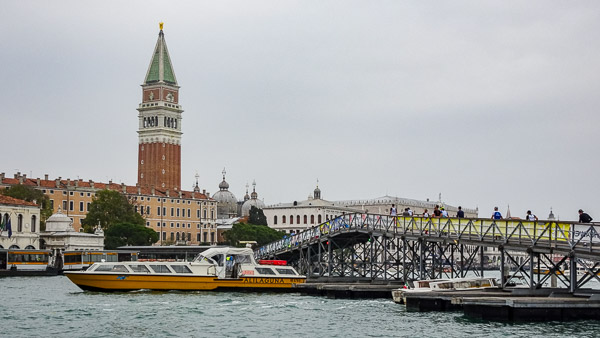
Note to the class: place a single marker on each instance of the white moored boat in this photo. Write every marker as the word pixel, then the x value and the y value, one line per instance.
pixel 441 285
pixel 215 268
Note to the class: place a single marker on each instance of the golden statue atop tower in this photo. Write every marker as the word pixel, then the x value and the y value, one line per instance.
pixel 160 24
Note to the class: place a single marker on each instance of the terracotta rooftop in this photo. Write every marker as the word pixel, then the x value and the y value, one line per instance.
pixel 7 200
pixel 75 184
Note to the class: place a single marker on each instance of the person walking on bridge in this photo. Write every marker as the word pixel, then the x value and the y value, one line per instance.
pixel 530 216
pixel 583 217
pixel 496 214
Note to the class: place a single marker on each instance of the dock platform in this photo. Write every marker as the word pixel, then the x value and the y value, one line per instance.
pixel 347 290
pixel 530 308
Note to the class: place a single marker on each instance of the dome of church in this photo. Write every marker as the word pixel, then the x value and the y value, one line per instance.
pixel 59 222
pixel 226 201
pixel 223 185
pixel 251 203
pixel 226 204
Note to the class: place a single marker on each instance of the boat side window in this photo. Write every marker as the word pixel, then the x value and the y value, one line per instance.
pixel 181 269
pixel 283 271
pixel 160 268
pixel 112 268
pixel 265 271
pixel 243 259
pixel 218 259
pixel 139 268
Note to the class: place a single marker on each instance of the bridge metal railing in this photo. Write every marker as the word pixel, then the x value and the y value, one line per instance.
pixel 550 234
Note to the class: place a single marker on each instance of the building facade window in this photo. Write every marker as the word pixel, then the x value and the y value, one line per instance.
pixel 275 219
pixel 291 219
pixel 20 223
pixel 312 219
pixel 33 223
pixel 71 205
pixel 283 219
pixel 81 206
pixel 319 219
pixel 298 219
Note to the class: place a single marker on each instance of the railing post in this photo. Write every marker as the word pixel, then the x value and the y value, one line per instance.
pixel 421 259
pixel 531 256
pixel 404 260
pixel 573 273
pixel 329 257
pixel 481 260
pixel 502 274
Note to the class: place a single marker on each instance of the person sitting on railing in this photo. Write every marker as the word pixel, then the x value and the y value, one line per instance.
pixel 584 217
pixel 496 214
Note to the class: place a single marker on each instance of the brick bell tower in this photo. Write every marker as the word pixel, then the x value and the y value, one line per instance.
pixel 159 131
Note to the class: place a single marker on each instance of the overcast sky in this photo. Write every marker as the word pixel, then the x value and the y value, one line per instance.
pixel 490 103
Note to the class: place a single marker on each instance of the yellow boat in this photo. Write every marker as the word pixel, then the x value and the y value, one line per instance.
pixel 213 269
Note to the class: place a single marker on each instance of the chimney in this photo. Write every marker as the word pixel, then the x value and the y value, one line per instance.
pixel 24 176
pixel 139 189
pixel 91 184
pixel 77 183
pixel 168 195
pixel 20 179
pixel 57 181
pixel 45 177
pixel 180 194
pixel 124 187
pixel 68 182
pixel 193 195
pixel 2 176
pixel 152 190
pixel 17 175
pixel 207 195
pixel 109 182
pixel 39 182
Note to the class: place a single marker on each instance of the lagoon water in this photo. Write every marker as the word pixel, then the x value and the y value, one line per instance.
pixel 54 307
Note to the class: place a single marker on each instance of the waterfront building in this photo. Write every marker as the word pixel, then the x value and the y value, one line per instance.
pixel 252 202
pixel 60 236
pixel 180 217
pixel 382 205
pixel 301 215
pixel 24 220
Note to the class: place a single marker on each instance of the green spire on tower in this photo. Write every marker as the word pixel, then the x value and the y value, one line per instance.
pixel 160 69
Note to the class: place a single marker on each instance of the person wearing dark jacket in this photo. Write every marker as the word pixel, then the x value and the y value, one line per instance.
pixel 583 217
pixel 460 213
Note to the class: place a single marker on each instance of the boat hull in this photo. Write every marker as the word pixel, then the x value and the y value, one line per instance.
pixel 129 282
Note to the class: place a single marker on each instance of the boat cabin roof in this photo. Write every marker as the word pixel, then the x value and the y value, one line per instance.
pixel 226 252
